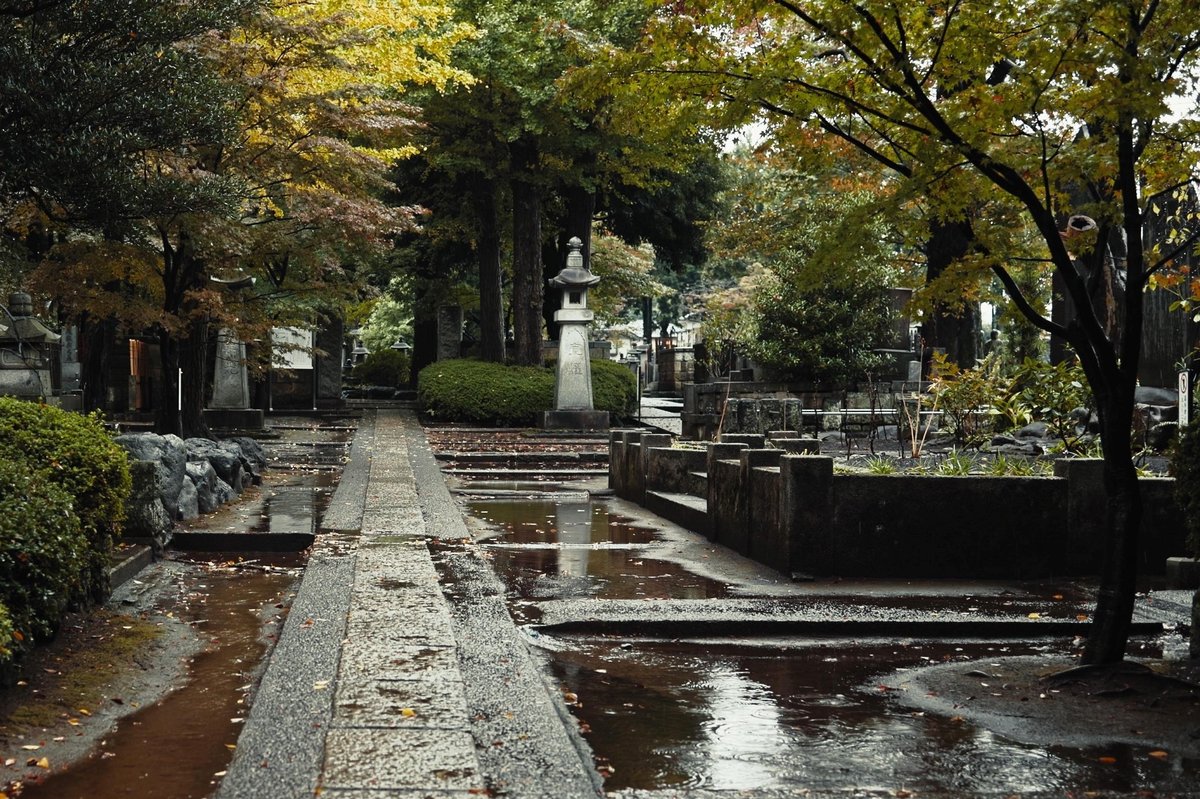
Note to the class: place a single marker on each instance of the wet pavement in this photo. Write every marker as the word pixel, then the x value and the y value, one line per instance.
pixel 528 637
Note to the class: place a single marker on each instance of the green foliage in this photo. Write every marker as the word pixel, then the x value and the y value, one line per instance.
pixel 964 396
pixel 878 464
pixel 44 555
pixel 484 392
pixel 956 464
pixel 7 639
pixel 510 396
pixel 1185 466
pixel 614 388
pixel 383 368
pixel 818 263
pixel 1053 393
pixel 74 452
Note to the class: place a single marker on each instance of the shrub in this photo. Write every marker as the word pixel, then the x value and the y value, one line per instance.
pixel 383 368
pixel 482 392
pixel 43 554
pixel 76 454
pixel 614 388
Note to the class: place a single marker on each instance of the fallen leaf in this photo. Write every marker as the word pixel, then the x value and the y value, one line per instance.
pixel 408 712
pixel 1081 617
pixel 44 763
pixel 231 747
pixel 84 711
pixel 1035 615
pixel 31 747
pixel 320 685
pixel 1107 759
pixel 1159 754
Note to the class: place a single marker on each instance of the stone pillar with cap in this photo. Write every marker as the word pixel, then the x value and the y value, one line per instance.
pixel 573 408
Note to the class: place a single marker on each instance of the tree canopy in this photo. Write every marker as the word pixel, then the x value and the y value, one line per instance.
pixel 1032 112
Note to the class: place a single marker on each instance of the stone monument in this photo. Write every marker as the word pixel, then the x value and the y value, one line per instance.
pixel 26 350
pixel 229 407
pixel 573 409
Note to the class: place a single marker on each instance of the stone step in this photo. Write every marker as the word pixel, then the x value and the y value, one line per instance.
pixel 685 510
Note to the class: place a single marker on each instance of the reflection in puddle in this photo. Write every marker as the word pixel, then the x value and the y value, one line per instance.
pixel 747 717
pixel 176 748
pixel 550 550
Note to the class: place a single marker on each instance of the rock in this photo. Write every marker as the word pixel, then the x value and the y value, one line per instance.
pixel 224 492
pixel 1001 440
pixel 145 514
pixel 203 476
pixel 189 501
pixel 169 455
pixel 1037 430
pixel 252 467
pixel 1149 395
pixel 1028 447
pixel 227 464
pixel 252 450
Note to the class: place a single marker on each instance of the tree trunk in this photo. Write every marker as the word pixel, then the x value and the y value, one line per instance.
pixel 166 405
pixel 194 360
pixel 1109 633
pixel 956 331
pixel 96 340
pixel 491 299
pixel 527 290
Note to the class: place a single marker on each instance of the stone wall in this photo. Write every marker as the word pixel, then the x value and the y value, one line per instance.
pixel 792 513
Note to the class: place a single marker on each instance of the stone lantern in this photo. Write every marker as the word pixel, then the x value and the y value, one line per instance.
pixel 26 350
pixel 573 409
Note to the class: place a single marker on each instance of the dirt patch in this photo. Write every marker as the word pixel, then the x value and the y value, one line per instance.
pixel 1152 706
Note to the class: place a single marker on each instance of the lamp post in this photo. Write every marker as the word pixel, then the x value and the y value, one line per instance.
pixel 573 407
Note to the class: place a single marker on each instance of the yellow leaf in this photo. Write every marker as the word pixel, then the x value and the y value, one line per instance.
pixel 408 712
pixel 44 763
pixel 231 747
pixel 84 711
pixel 1035 615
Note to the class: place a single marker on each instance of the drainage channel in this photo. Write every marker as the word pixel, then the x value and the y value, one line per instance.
pixel 219 597
pixel 688 669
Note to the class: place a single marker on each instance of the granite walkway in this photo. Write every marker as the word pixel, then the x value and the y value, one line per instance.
pixel 380 686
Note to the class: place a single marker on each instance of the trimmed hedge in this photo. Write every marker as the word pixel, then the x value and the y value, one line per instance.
pixel 614 388
pixel 44 555
pixel 78 455
pixel 483 392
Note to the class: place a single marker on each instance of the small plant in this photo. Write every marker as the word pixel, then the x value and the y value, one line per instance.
pixel 956 464
pixel 878 464
pixel 965 396
pixel 1054 393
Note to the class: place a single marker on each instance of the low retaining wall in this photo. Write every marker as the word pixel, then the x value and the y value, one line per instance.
pixel 792 513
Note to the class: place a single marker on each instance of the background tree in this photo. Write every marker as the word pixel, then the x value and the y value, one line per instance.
pixel 877 74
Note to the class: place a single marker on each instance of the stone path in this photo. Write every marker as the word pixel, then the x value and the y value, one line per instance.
pixel 380 687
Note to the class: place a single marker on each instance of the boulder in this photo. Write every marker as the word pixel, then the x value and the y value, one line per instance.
pixel 1149 395
pixel 189 501
pixel 1038 430
pixel 203 476
pixel 251 469
pixel 169 455
pixel 145 515
pixel 227 464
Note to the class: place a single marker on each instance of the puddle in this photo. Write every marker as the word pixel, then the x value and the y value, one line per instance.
pixel 759 717
pixel 545 549
pixel 286 502
pixel 175 749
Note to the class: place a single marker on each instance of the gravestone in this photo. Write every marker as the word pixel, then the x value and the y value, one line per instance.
pixel 449 332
